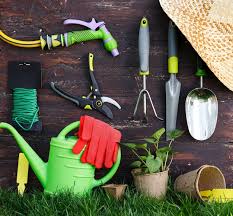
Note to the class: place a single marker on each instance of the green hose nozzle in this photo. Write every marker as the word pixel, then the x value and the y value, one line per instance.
pixel 97 31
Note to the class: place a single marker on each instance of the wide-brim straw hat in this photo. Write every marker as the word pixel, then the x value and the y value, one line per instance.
pixel 208 26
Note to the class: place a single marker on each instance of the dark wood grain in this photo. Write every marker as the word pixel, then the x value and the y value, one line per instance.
pixel 118 78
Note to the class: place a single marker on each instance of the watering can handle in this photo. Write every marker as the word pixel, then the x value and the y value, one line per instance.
pixel 68 129
pixel 112 171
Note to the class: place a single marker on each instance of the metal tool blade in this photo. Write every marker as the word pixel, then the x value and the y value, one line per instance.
pixel 106 111
pixel 201 108
pixel 172 88
pixel 110 101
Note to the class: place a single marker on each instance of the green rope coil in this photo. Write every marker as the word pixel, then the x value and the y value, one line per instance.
pixel 25 108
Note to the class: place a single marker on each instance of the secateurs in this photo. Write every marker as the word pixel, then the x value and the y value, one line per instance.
pixel 97 31
pixel 144 49
pixel 94 100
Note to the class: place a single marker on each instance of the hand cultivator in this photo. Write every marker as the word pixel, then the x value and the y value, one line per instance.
pixel 144 50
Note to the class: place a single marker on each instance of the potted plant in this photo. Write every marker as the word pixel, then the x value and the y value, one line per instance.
pixel 150 171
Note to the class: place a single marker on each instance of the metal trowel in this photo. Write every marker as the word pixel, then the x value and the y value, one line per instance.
pixel 173 86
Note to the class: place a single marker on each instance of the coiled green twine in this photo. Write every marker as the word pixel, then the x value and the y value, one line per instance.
pixel 25 108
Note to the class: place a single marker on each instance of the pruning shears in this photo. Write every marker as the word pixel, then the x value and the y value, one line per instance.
pixel 94 100
pixel 97 30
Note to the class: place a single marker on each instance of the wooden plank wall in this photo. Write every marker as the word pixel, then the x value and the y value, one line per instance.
pixel 118 78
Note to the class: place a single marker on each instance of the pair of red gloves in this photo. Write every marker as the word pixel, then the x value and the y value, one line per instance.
pixel 101 141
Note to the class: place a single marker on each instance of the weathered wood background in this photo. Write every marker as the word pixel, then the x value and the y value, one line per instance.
pixel 118 78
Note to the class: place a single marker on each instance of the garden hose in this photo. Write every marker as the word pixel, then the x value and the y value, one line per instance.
pixel 25 108
pixel 96 31
pixel 19 43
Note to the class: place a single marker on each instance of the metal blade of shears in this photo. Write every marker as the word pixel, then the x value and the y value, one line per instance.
pixel 106 111
pixel 110 101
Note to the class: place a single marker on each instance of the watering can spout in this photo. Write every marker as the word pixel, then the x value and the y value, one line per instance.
pixel 38 166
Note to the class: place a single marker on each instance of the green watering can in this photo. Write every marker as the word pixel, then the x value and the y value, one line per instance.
pixel 64 170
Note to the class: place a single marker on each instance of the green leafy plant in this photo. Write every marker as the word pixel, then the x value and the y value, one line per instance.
pixel 156 157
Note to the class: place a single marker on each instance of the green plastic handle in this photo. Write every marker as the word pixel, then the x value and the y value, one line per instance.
pixel 112 171
pixel 200 68
pixel 172 49
pixel 68 129
pixel 82 36
pixel 144 46
pixel 110 43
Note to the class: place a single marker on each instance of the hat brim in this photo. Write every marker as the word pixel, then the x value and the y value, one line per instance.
pixel 208 26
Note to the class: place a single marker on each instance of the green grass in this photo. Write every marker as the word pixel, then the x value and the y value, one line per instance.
pixel 98 204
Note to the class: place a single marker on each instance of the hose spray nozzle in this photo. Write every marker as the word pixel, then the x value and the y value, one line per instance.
pixel 97 30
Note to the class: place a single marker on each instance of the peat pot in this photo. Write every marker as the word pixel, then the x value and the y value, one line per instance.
pixel 206 177
pixel 115 190
pixel 152 185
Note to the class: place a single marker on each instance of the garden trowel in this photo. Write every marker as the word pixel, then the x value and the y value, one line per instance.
pixel 172 85
pixel 201 107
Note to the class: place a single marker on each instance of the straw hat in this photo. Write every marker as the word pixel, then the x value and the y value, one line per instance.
pixel 208 26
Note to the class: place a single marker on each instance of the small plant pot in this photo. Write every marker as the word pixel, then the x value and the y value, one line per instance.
pixel 204 178
pixel 115 190
pixel 152 185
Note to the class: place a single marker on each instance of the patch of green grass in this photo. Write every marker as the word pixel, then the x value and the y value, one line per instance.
pixel 99 204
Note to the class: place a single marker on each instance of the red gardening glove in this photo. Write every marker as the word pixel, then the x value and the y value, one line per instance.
pixel 101 153
pixel 97 133
pixel 112 148
pixel 84 133
pixel 89 155
pixel 79 133
pixel 84 155
pixel 117 139
pixel 101 142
